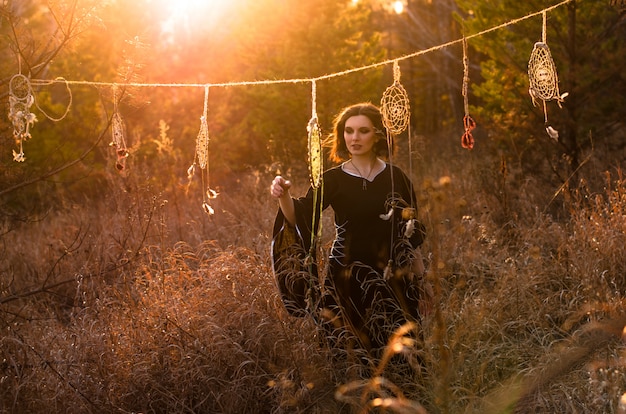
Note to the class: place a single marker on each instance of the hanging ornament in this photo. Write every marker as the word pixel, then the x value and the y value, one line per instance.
pixel 544 81
pixel 316 164
pixel 202 143
pixel 394 105
pixel 118 135
pixel 396 115
pixel 467 140
pixel 315 152
pixel 20 100
pixel 316 170
pixel 201 158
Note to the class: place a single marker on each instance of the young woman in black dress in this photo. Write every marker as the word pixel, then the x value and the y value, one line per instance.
pixel 374 266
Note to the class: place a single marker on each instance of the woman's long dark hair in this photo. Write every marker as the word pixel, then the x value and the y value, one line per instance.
pixel 339 152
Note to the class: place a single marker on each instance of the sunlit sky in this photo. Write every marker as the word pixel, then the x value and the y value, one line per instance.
pixel 180 16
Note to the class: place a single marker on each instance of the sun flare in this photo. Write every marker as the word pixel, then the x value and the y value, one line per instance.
pixel 194 6
pixel 185 14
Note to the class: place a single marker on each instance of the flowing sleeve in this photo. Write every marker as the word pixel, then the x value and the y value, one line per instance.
pixel 293 260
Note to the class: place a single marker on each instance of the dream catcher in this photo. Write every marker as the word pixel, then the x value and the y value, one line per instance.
pixel 20 100
pixel 544 82
pixel 396 115
pixel 118 135
pixel 394 105
pixel 201 159
pixel 316 165
pixel 316 170
pixel 467 140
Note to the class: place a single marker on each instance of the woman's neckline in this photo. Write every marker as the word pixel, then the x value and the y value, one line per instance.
pixel 378 168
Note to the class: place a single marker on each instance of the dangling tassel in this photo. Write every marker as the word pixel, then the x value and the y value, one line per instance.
pixel 467 140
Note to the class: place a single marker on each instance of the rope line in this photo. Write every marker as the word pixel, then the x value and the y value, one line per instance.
pixel 313 79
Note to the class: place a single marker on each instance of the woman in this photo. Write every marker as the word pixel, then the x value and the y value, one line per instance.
pixel 375 261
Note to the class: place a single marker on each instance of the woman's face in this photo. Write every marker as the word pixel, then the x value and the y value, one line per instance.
pixel 359 135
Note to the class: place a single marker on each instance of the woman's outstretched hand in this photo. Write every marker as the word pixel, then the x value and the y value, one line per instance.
pixel 280 190
pixel 280 187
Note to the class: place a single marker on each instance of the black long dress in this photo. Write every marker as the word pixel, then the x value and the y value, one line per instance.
pixel 366 292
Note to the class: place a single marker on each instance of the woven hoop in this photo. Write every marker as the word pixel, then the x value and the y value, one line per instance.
pixel 395 108
pixel 19 87
pixel 544 82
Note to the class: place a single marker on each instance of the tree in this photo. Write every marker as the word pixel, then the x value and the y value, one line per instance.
pixel 433 79
pixel 585 39
pixel 301 40
pixel 35 38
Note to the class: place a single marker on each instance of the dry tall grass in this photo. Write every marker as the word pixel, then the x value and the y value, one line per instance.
pixel 143 304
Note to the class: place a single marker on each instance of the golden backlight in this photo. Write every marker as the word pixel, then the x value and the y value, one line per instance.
pixel 183 16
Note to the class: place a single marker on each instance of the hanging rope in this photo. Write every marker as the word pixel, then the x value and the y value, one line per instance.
pixel 69 104
pixel 24 119
pixel 467 140
pixel 323 77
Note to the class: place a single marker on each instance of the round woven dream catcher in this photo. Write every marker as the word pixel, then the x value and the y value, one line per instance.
pixel 394 105
pixel 544 82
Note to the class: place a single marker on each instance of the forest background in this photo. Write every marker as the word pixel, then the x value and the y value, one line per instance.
pixel 118 293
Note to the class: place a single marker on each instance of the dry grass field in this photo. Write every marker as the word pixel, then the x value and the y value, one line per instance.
pixel 137 302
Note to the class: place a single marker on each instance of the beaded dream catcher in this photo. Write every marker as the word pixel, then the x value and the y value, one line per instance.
pixel 396 116
pixel 467 140
pixel 118 135
pixel 316 169
pixel 201 158
pixel 544 81
pixel 394 105
pixel 20 100
pixel 316 164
